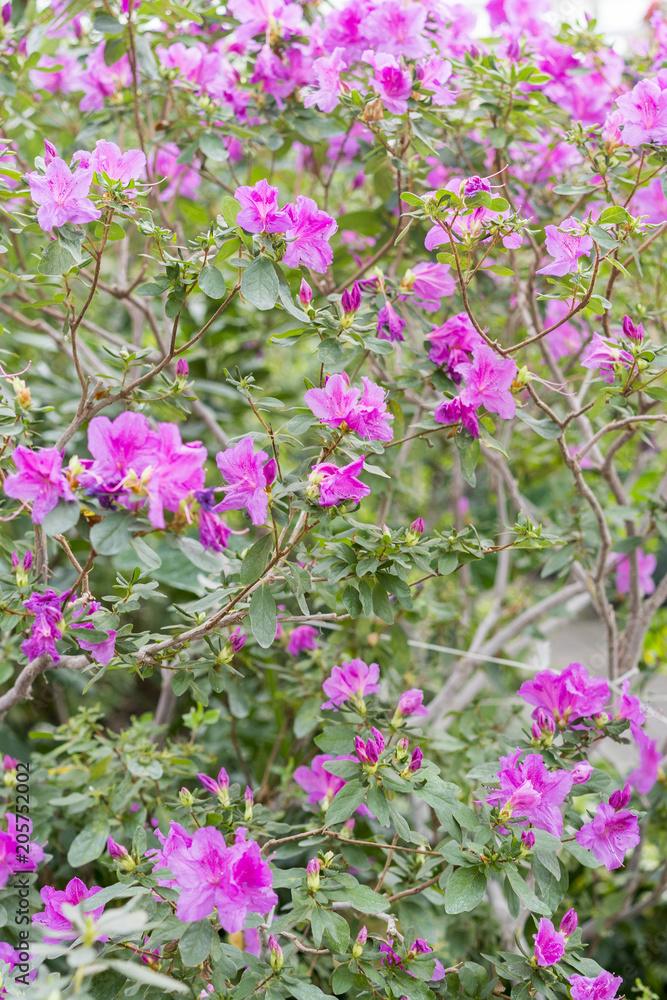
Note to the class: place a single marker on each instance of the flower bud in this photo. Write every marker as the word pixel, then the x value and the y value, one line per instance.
pixel 276 954
pixel 237 639
pixel 372 752
pixel 635 333
pixel 568 924
pixel 9 766
pixel 50 152
pixel 474 185
pixel 535 731
pixel 23 397
pixel 15 561
pixel 620 798
pixel 186 798
pixel 6 13
pixel 305 293
pixel 182 368
pixel 581 772
pixel 528 839
pixel 27 561
pixel 540 719
pixel 360 749
pixel 418 526
pixel 378 738
pixel 313 874
pixel 117 851
pixel 358 946
pixel 416 759
pixel 249 802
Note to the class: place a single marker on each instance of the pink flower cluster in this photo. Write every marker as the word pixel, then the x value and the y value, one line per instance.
pixel 340 405
pixel 488 383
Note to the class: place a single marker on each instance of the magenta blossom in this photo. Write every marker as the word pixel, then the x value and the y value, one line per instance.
pixel 410 703
pixel 629 706
pixel 47 627
pixel 603 987
pixel 369 418
pixel 327 70
pixel 392 81
pixel 249 475
pixel 572 693
pixel 335 403
pixel 308 235
pixel 530 792
pixel 259 209
pixel 301 638
pixel 213 532
pixel 177 837
pixel 644 112
pixel 320 785
pixel 177 473
pixel 453 341
pixel 234 880
pixel 609 835
pixel 488 380
pixel 39 477
pixel 351 682
pixel 429 282
pixel 107 158
pixel 549 943
pixel 605 355
pixel 18 857
pixel 53 921
pixel 121 448
pixel 102 652
pixel 452 411
pixel 62 195
pixel 330 484
pixel 389 324
pixel 645 774
pixel 565 248
pixel 646 563
pixel 183 178
pixel 217 786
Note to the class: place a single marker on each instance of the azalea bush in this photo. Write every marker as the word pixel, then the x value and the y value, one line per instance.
pixel 333 381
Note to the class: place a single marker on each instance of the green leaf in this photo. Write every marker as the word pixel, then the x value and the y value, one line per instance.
pixel 146 554
pixel 213 147
pixel 365 900
pixel 381 605
pixel 263 616
pixel 342 980
pixel 229 208
pixel 545 428
pixel 195 944
pixel 615 213
pixel 465 890
pixel 259 284
pixel 111 535
pixel 256 559
pixel 305 991
pixel 89 843
pixel 212 282
pixel 447 563
pixel 469 454
pixel 106 985
pixel 336 739
pixel 523 892
pixel 61 518
pixel 55 260
pixel 412 199
pixel 337 930
pixel 352 601
pixel 345 802
pixel 583 856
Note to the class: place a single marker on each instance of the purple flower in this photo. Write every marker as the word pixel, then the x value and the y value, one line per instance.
pixel 249 475
pixel 566 339
pixel 6 13
pixel 528 839
pixel 453 411
pixel 53 920
pixel 646 563
pixel 182 368
pixel 453 341
pixel 351 300
pixel 351 682
pixel 603 987
pixel 581 772
pixel 335 403
pixel 50 152
pixel 488 380
pixel 369 752
pixel 259 209
pixel 416 759
pixel 308 234
pixel 100 81
pixel 101 652
pixel 565 248
pixel 418 526
pixel 305 293
pixel 236 880
pixel 392 81
pixel 14 857
pixel 121 448
pixel 331 484
pixel 433 75
pixel 117 851
pixel 568 924
pixel 635 333
pixel 549 943
pixel 327 70
pixel 530 792
pixel 107 158
pixel 474 185
pixel 184 178
pixel 369 417
pixel 217 786
pixel 39 477
pixel 178 472
pixel 46 630
pixel 320 785
pixel 620 798
pixel 429 282
pixel 605 355
pixel 177 837
pixel 644 112
pixel 645 774
pixel 62 196
pixel 569 694
pixel 610 834
pixel 213 532
pixel 301 638
pixel 389 324
pixel 236 640
pixel 410 703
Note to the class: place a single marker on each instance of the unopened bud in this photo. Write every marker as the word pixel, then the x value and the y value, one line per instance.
pixel 313 874
pixel 27 561
pixel 568 924
pixel 121 854
pixel 581 772
pixel 418 526
pixel 50 152
pixel 15 561
pixel 535 731
pixel 305 293
pixel 249 802
pixel 182 368
pixel 6 13
pixel 22 391
pixel 358 946
pixel 528 839
pixel 186 798
pixel 635 333
pixel 620 798
pixel 237 639
pixel 276 954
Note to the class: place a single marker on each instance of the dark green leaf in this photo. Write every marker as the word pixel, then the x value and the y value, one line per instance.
pixel 111 535
pixel 212 282
pixel 195 944
pixel 263 616
pixel 61 518
pixel 465 890
pixel 259 284
pixel 256 559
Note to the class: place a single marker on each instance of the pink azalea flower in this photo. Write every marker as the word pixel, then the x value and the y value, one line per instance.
pixel 259 209
pixel 549 943
pixel 488 380
pixel 301 638
pixel 184 178
pixel 320 785
pixel 433 75
pixel 566 339
pixel 453 341
pixel 369 418
pixel 398 28
pixel 211 875
pixel 605 354
pixel 644 112
pixel 565 248
pixel 453 411
pixel 308 235
pixel 177 837
pixel 603 987
pixel 650 201
pixel 429 282
pixel 107 158
pixel 178 471
pixel 351 682
pixel 249 475
pixel 645 774
pixel 530 791
pixel 39 478
pixel 62 195
pixel 57 74
pixel 410 703
pixel 629 706
pixel 256 16
pixel 213 532
pixel 389 324
pixel 336 402
pixel 99 81
pixel 53 920
pixel 646 563
pixel 101 652
pixel 14 857
pixel 572 693
pixel 327 70
pixel 611 134
pixel 392 81
pixel 45 631
pixel 609 835
pixel 336 484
